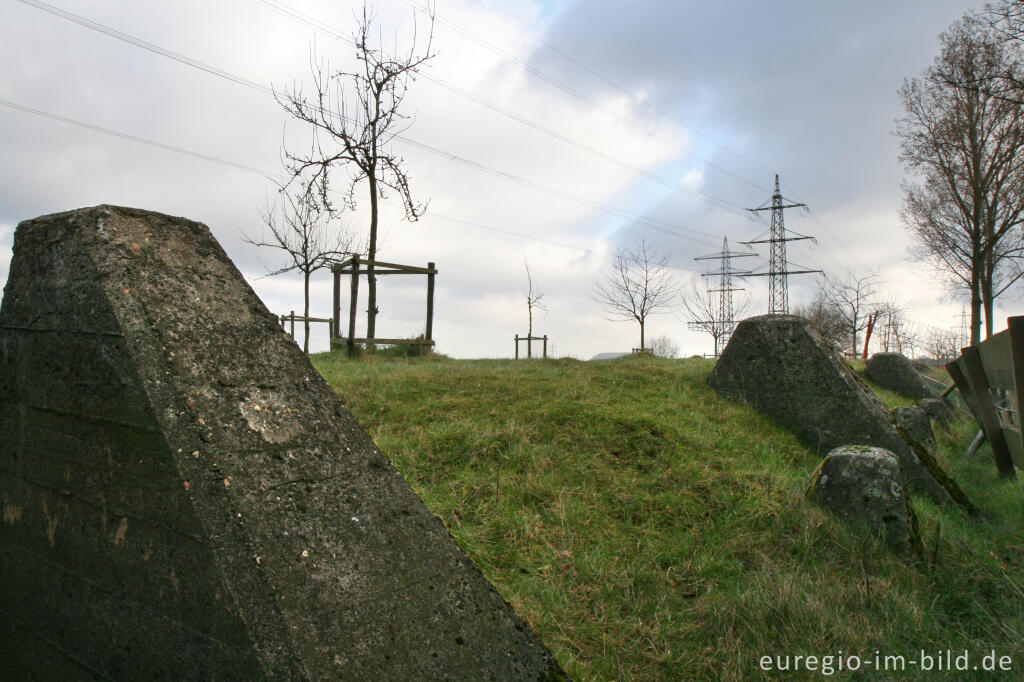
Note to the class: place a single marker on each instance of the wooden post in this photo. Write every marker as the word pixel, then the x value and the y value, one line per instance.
pixel 293 323
pixel 987 412
pixel 353 304
pixel 545 346
pixel 429 335
pixel 964 386
pixel 1016 332
pixel 517 346
pixel 336 320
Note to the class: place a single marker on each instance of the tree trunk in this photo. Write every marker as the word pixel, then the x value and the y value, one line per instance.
pixel 853 334
pixel 988 303
pixel 987 279
pixel 976 303
pixel 642 336
pixel 529 329
pixel 371 254
pixel 305 312
pixel 977 244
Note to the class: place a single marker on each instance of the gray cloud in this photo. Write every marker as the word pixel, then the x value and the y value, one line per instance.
pixel 804 89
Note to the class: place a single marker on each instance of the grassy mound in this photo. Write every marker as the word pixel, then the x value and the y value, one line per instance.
pixel 649 530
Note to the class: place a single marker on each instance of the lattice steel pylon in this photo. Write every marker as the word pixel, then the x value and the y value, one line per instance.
pixel 721 326
pixel 778 267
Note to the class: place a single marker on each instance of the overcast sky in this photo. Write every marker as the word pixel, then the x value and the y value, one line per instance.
pixel 678 112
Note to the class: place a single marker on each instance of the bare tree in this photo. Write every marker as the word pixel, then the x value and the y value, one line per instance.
pixel 534 296
pixel 963 144
pixel 891 328
pixel 943 346
pixel 824 319
pixel 703 311
pixel 297 225
pixel 664 347
pixel 355 117
pixel 854 299
pixel 1004 20
pixel 637 286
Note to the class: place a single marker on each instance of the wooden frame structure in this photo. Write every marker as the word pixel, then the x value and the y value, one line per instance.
pixel 356 266
pixel 301 318
pixel 529 345
pixel 990 377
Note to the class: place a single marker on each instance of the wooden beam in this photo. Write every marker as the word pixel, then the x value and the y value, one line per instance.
pixel 963 385
pixel 1015 325
pixel 429 334
pixel 336 272
pixel 397 266
pixel 352 305
pixel 989 419
pixel 392 342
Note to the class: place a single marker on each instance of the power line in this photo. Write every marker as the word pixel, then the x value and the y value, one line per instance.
pixel 138 42
pixel 652 107
pixel 675 186
pixel 491 228
pixel 318 25
pixel 579 95
pixel 654 223
pixel 660 225
pixel 267 174
pixel 136 138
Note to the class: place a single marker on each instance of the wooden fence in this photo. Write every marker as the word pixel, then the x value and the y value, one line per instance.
pixel 293 318
pixel 990 377
pixel 529 344
pixel 356 266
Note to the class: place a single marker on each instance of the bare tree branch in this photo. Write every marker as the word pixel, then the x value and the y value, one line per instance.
pixel 962 140
pixel 534 297
pixel 637 286
pixel 702 312
pixel 854 300
pixel 301 229
pixel 355 116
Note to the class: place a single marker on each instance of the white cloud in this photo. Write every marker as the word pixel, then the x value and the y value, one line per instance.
pixel 810 93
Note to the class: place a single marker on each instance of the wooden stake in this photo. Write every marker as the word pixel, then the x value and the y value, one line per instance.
pixel 430 302
pixel 335 330
pixel 353 304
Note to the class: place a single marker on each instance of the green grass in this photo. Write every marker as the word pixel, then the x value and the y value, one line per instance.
pixel 647 529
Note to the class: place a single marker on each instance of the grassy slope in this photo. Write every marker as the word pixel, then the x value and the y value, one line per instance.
pixel 649 530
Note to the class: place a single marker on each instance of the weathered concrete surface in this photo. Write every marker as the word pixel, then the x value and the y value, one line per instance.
pixel 938 409
pixel 863 486
pixel 781 367
pixel 896 373
pixel 916 427
pixel 185 498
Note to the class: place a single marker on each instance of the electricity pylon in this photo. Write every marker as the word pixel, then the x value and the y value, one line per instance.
pixel 778 266
pixel 722 324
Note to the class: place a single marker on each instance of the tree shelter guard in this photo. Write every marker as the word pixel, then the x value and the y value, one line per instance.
pixel 356 266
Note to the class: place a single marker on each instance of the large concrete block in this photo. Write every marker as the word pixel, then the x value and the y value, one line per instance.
pixel 184 497
pixel 863 486
pixel 896 373
pixel 781 367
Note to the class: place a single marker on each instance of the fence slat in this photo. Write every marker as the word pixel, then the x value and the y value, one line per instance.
pixel 987 411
